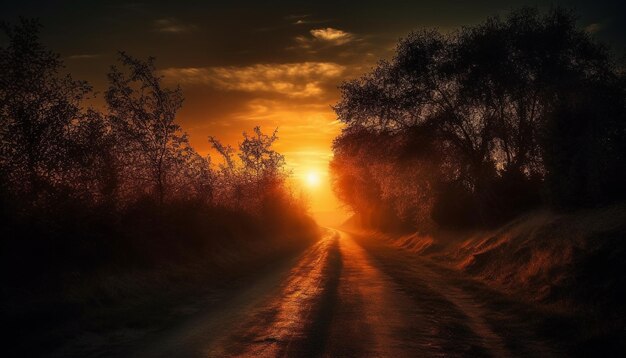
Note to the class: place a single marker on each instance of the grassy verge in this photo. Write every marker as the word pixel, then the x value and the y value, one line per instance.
pixel 113 307
pixel 569 264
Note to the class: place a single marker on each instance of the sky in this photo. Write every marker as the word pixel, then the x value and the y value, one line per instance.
pixel 275 64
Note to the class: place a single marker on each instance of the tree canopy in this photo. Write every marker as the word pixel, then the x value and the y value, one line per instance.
pixel 482 109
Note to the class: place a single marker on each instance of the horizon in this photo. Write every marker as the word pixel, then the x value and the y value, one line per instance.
pixel 313 180
pixel 276 66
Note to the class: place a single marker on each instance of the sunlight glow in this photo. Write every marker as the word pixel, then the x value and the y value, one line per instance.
pixel 312 179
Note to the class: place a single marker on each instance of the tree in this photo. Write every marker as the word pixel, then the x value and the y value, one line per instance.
pixel 495 99
pixel 259 159
pixel 258 174
pixel 39 111
pixel 143 113
pixel 584 145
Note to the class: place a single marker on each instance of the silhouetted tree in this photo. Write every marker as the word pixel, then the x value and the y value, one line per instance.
pixel 256 176
pixel 584 144
pixel 39 110
pixel 94 174
pixel 494 99
pixel 143 114
pixel 259 159
pixel 73 179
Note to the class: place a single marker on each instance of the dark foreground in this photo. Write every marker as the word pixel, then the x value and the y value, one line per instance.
pixel 348 296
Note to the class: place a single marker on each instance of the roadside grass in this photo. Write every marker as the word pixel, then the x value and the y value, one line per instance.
pixel 113 307
pixel 563 272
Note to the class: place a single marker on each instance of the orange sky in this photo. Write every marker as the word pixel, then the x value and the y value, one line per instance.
pixel 293 96
pixel 274 64
pixel 296 98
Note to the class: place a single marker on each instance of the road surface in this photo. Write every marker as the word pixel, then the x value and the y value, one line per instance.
pixel 351 296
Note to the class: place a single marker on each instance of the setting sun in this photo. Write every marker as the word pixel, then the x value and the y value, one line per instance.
pixel 334 178
pixel 312 179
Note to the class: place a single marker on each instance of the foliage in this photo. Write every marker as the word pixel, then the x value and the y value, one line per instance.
pixel 38 107
pixel 495 117
pixel 246 184
pixel 84 190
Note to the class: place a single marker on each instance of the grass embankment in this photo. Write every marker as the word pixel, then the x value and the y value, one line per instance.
pixel 571 264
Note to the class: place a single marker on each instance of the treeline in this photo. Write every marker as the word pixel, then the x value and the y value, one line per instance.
pixel 471 128
pixel 82 189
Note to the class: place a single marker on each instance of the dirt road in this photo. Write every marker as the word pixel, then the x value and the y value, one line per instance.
pixel 351 296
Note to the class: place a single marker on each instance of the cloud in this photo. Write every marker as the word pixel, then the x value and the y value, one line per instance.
pixel 322 38
pixel 172 26
pixel 594 28
pixel 305 79
pixel 335 36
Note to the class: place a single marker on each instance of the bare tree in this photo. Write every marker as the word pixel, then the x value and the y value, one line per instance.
pixel 143 114
pixel 258 157
pixel 247 182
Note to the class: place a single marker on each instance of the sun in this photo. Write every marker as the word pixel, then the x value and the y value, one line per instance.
pixel 312 179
